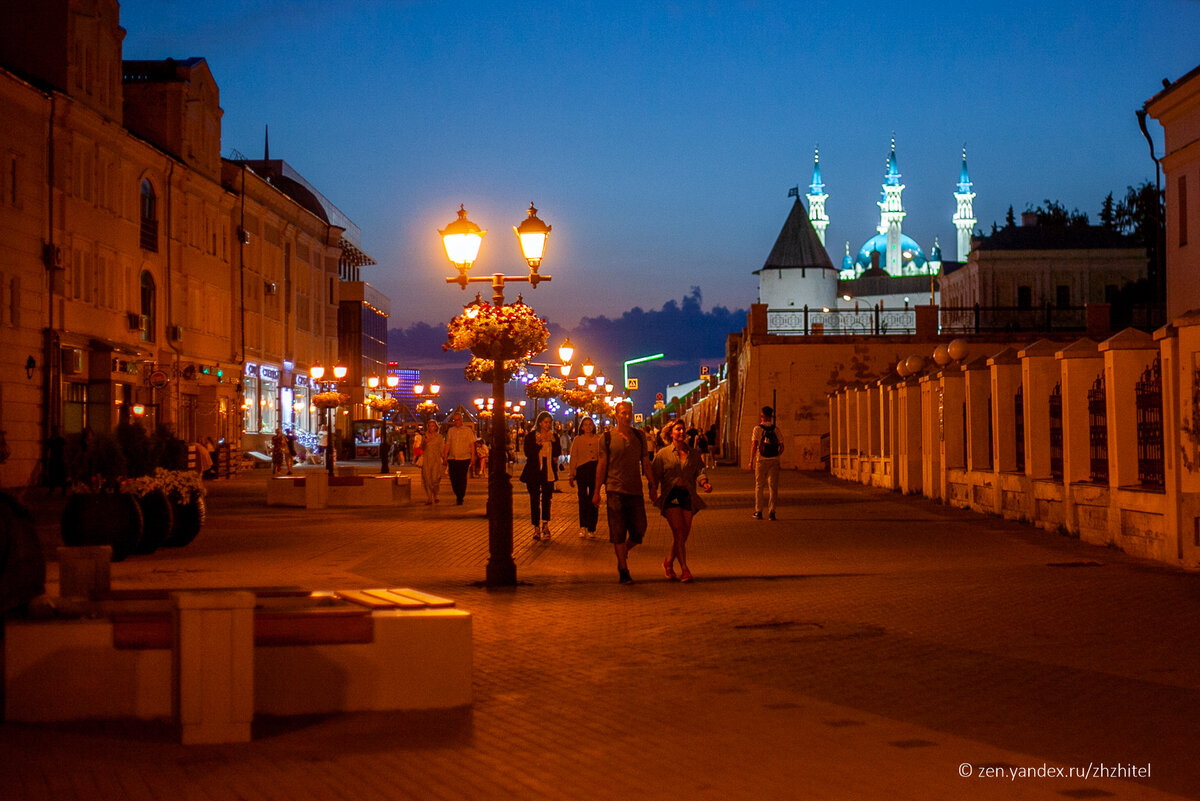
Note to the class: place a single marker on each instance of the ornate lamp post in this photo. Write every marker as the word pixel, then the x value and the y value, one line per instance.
pixel 317 372
pixel 427 407
pixel 462 239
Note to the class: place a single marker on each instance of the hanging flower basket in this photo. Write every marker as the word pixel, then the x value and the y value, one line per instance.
pixel 545 386
pixel 578 398
pixel 599 407
pixel 383 404
pixel 330 400
pixel 481 369
pixel 512 331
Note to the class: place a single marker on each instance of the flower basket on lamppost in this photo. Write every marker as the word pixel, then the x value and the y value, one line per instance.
pixel 500 333
pixel 385 405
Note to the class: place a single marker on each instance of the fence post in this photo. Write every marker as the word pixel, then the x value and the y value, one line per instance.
pixel 976 318
pixel 877 306
pixel 806 319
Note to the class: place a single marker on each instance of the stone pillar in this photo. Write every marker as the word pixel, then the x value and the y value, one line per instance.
pixel 926 322
pixel 977 391
pixel 1039 373
pixel 1179 344
pixel 213 656
pixel 1080 364
pixel 908 436
pixel 931 436
pixel 1005 369
pixel 953 405
pixel 1126 355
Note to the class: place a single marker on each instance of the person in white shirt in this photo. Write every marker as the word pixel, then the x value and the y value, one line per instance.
pixel 460 448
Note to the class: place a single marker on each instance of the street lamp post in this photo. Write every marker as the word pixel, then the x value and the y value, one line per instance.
pixel 462 239
pixel 384 456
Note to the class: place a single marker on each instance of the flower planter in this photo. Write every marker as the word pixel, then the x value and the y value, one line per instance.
pixel 111 518
pixel 188 518
pixel 157 521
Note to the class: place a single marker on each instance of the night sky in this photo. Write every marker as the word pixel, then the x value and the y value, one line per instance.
pixel 660 139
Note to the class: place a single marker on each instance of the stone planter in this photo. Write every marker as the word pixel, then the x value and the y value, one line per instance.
pixel 106 518
pixel 188 518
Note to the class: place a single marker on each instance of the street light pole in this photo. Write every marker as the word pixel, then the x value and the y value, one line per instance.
pixel 462 239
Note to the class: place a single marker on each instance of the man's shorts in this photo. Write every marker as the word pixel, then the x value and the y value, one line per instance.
pixel 626 518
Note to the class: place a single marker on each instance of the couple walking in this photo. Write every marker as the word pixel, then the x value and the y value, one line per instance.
pixel 672 478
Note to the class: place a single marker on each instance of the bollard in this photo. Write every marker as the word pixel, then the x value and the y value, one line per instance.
pixel 213 655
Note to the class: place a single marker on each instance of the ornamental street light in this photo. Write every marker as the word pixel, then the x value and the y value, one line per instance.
pixel 317 372
pixel 462 239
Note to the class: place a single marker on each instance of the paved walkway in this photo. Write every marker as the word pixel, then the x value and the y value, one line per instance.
pixel 866 645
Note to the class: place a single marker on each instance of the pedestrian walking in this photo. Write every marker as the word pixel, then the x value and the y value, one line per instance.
pixel 542 449
pixel 459 449
pixel 624 458
pixel 289 438
pixel 585 451
pixel 400 448
pixel 418 448
pixel 765 449
pixel 678 470
pixel 278 451
pixel 432 464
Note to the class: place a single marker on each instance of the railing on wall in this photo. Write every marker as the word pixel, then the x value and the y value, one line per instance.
pixel 1019 426
pixel 1098 430
pixel 1056 432
pixel 1148 397
pixel 975 319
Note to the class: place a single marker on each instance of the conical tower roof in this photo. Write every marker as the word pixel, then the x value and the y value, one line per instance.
pixel 798 245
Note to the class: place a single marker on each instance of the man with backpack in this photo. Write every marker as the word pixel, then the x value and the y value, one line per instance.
pixel 766 448
pixel 623 459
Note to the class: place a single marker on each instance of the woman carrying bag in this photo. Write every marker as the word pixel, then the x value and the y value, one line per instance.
pixel 542 449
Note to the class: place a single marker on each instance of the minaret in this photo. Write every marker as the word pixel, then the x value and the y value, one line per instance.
pixel 964 218
pixel 816 199
pixel 891 214
pixel 848 264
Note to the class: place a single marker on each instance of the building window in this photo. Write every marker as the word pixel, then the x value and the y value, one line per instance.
pixel 1024 297
pixel 1182 211
pixel 147 307
pixel 149 207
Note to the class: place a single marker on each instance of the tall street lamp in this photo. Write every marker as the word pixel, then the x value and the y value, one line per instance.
pixel 428 406
pixel 317 372
pixel 462 239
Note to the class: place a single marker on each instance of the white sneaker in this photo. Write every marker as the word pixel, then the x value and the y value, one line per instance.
pixel 583 532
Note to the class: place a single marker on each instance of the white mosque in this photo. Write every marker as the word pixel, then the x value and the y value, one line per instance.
pixel 890 268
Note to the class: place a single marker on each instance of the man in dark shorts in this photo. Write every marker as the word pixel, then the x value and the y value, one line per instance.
pixel 624 459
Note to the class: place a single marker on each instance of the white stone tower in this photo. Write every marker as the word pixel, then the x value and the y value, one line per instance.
pixel 964 217
pixel 816 199
pixel 891 214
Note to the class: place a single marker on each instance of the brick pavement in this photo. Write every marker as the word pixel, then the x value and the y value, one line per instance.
pixel 863 646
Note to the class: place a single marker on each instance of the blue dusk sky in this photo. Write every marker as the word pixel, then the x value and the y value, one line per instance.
pixel 660 139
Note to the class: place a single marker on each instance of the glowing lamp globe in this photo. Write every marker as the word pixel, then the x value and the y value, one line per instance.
pixel 533 234
pixel 462 239
pixel 958 350
pixel 941 355
pixel 565 351
pixel 392 381
pixel 339 372
pixel 317 372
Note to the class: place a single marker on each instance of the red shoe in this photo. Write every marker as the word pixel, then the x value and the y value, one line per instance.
pixel 669 568
pixel 686 576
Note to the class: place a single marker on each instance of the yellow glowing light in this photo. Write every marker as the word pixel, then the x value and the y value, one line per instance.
pixel 392 381
pixel 317 372
pixel 565 351
pixel 373 381
pixel 462 239
pixel 339 372
pixel 418 389
pixel 533 234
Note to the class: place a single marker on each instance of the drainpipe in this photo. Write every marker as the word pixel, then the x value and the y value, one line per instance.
pixel 174 392
pixel 51 352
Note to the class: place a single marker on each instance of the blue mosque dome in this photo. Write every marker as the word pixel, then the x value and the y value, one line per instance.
pixel 911 255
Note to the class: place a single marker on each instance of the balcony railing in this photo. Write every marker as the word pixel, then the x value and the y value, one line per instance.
pixel 976 319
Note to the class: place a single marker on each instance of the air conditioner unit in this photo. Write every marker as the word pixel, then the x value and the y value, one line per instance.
pixel 52 256
pixel 175 333
pixel 72 361
pixel 270 287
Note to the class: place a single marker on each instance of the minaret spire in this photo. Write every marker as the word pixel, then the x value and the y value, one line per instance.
pixel 964 217
pixel 266 143
pixel 816 199
pixel 891 213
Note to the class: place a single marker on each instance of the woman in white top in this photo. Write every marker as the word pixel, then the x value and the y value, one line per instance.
pixel 585 453
pixel 678 469
pixel 432 463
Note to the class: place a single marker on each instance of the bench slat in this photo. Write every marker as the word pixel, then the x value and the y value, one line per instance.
pixel 432 601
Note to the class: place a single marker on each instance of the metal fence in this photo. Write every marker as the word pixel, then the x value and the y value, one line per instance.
pixel 952 320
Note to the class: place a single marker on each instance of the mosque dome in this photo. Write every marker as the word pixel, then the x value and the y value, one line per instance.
pixel 912 257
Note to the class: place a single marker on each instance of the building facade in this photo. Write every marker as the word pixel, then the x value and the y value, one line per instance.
pixel 143 275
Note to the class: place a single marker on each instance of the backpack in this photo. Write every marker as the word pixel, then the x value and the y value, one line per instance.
pixel 768 448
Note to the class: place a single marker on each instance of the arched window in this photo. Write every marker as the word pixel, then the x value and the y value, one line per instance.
pixel 149 207
pixel 147 307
